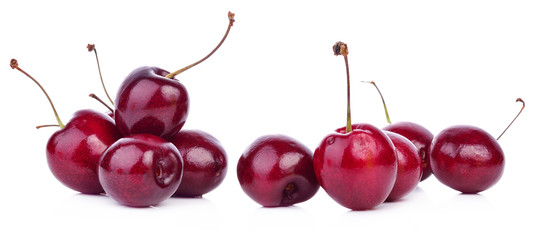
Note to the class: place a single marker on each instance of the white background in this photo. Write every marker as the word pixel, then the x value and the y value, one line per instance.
pixel 438 63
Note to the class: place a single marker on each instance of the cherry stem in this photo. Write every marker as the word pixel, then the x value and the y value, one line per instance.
pixel 382 99
pixel 100 100
pixel 231 21
pixel 14 65
pixel 92 47
pixel 341 48
pixel 48 125
pixel 523 106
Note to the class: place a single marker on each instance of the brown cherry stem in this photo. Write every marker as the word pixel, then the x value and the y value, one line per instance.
pixel 382 99
pixel 231 21
pixel 14 65
pixel 48 125
pixel 523 106
pixel 100 100
pixel 341 48
pixel 92 47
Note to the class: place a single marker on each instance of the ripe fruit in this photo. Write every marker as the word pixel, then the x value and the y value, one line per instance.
pixel 141 170
pixel 409 166
pixel 276 171
pixel 356 166
pixel 151 101
pixel 74 151
pixel 204 162
pixel 418 135
pixel 467 158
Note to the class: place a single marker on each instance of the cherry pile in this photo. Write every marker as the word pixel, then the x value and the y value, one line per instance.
pixel 137 153
pixel 361 166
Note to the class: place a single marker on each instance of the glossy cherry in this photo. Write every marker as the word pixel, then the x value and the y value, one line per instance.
pixel 148 102
pixel 74 151
pixel 417 134
pixel 409 166
pixel 141 170
pixel 277 171
pixel 467 158
pixel 357 165
pixel 151 101
pixel 204 162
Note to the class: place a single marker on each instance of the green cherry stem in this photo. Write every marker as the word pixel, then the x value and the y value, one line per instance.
pixel 341 48
pixel 382 99
pixel 523 106
pixel 14 65
pixel 102 102
pixel 231 17
pixel 92 47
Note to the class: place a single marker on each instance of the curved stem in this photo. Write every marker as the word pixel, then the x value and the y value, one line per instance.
pixel 102 102
pixel 14 65
pixel 382 100
pixel 231 21
pixel 92 47
pixel 48 125
pixel 341 48
pixel 523 106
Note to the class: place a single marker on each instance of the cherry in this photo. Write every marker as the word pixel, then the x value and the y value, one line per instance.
pixel 277 171
pixel 74 151
pixel 151 101
pixel 417 134
pixel 467 158
pixel 204 162
pixel 409 166
pixel 141 170
pixel 357 165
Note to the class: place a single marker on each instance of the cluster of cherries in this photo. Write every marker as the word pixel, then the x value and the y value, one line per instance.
pixel 137 154
pixel 361 166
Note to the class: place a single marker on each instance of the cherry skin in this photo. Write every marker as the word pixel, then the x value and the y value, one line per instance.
pixel 141 170
pixel 466 158
pixel 277 171
pixel 420 137
pixel 148 102
pixel 73 153
pixel 204 161
pixel 357 169
pixel 409 166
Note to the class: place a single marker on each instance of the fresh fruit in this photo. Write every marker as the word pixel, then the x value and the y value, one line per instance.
pixel 409 166
pixel 467 158
pixel 204 162
pixel 418 135
pixel 151 101
pixel 357 165
pixel 141 170
pixel 277 171
pixel 73 152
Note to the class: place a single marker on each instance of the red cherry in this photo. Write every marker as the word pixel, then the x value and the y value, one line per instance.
pixel 74 151
pixel 409 166
pixel 467 158
pixel 417 134
pixel 141 170
pixel 356 166
pixel 204 161
pixel 277 171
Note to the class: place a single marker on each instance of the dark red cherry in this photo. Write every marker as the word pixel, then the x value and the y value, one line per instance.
pixel 148 102
pixel 409 166
pixel 420 137
pixel 204 162
pixel 357 165
pixel 74 151
pixel 276 171
pixel 141 170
